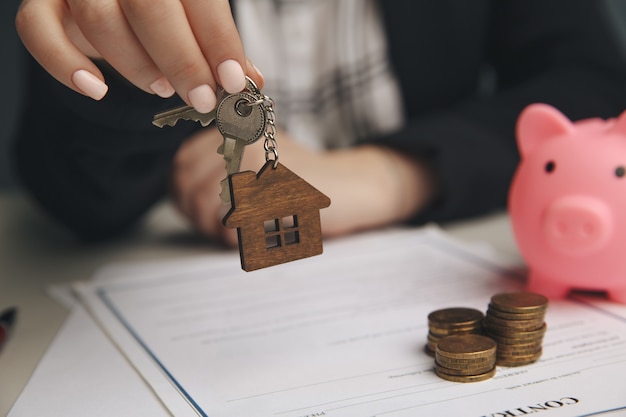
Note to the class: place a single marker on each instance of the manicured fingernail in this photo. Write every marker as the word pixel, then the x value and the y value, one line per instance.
pixel 202 98
pixel 231 76
pixel 162 88
pixel 89 84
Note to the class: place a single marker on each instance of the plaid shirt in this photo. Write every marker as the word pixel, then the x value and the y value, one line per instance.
pixel 326 67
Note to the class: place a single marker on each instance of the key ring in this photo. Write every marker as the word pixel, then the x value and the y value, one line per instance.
pixel 252 87
pixel 255 103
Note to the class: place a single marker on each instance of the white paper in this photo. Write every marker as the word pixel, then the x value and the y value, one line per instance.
pixel 342 334
pixel 83 374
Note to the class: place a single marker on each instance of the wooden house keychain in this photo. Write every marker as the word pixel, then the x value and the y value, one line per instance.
pixel 275 212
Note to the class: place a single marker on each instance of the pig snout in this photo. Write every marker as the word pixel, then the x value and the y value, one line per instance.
pixel 577 225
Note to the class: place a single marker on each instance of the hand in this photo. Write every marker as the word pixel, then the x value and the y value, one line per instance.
pixel 161 46
pixel 369 186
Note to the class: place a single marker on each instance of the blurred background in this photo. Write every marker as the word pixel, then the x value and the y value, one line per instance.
pixel 10 84
pixel 12 79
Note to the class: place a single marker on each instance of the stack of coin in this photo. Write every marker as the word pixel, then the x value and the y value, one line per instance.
pixel 452 321
pixel 466 358
pixel 516 322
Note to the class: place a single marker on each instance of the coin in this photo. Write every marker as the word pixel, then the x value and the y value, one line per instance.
pixel 466 371
pixel 519 359
pixel 456 317
pixel 465 378
pixel 512 336
pixel 507 326
pixel 494 312
pixel 460 330
pixel 519 302
pixel 520 347
pixel 455 363
pixel 467 367
pixel 466 346
pixel 452 321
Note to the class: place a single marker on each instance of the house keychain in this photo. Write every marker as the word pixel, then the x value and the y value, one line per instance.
pixel 275 212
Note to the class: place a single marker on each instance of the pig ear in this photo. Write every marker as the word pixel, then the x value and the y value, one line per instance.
pixel 539 122
pixel 620 124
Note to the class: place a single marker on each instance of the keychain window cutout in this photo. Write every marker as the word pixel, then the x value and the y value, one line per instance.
pixel 271 226
pixel 293 205
pixel 281 232
pixel 272 241
pixel 290 227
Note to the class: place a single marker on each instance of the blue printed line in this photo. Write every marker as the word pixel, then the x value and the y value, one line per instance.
pixel 103 296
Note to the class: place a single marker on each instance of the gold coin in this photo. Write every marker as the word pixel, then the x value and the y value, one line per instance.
pixel 518 325
pixel 434 337
pixel 461 330
pixel 492 329
pixel 469 361
pixel 478 370
pixel 519 360
pixel 466 346
pixel 493 311
pixel 473 367
pixel 519 302
pixel 432 346
pixel 506 343
pixel 519 345
pixel 456 317
pixel 511 336
pixel 517 353
pixel 432 341
pixel 429 351
pixel 467 378
pixel 518 350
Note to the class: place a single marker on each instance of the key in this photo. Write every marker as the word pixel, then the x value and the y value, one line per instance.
pixel 171 117
pixel 241 120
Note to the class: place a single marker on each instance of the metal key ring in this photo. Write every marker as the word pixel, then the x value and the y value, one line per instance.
pixel 255 103
pixel 252 87
pixel 269 153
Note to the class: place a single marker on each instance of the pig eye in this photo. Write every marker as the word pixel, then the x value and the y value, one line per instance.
pixel 550 166
pixel 620 171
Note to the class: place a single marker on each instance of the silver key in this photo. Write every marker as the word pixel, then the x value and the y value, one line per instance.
pixel 241 120
pixel 171 117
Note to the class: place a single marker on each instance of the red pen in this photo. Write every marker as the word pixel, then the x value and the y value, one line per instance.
pixel 7 319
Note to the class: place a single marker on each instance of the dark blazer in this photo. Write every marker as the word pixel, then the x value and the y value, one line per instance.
pixel 466 68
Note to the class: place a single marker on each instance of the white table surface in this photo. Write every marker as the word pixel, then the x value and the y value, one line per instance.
pixel 35 253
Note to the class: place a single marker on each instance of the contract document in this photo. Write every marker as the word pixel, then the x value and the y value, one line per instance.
pixel 343 334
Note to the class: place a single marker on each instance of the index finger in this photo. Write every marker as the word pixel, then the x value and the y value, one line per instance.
pixel 193 42
pixel 214 27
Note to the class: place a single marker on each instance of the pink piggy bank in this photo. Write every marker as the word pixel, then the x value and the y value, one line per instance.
pixel 567 202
